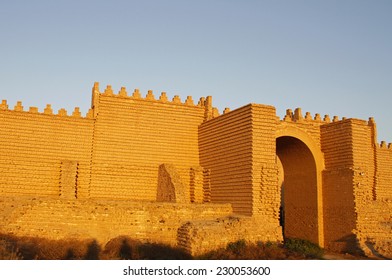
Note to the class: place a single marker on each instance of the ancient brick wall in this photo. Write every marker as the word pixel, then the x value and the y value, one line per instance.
pixel 238 148
pixel 354 175
pixel 338 195
pixel 102 220
pixel 383 189
pixel 266 192
pixel 357 214
pixel 226 149
pixel 133 135
pixel 148 167
pixel 202 236
pixel 364 162
pixel 374 229
pixel 37 147
pixel 372 193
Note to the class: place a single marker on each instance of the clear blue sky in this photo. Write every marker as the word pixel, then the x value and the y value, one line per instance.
pixel 329 57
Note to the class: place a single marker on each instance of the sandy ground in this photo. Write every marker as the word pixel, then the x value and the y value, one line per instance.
pixel 336 256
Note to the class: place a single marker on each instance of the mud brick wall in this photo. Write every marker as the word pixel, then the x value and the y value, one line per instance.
pixel 133 135
pixel 374 229
pixel 357 213
pixel 383 188
pixel 372 192
pixel 98 176
pixel 338 192
pixel 225 144
pixel 364 162
pixel 239 150
pixel 34 145
pixel 266 192
pixel 102 220
pixel 202 236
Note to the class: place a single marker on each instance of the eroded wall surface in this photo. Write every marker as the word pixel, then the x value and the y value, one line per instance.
pixel 372 193
pixel 102 220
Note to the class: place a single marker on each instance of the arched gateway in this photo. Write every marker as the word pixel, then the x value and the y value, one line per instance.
pixel 300 164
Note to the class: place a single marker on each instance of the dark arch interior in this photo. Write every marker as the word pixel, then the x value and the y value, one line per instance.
pixel 299 217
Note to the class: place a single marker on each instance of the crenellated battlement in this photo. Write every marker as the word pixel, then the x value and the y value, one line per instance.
pixel 46 111
pixel 297 116
pixel 203 102
pixel 163 98
pixel 216 113
pixel 385 146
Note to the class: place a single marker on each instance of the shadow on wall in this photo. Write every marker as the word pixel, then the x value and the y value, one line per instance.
pixel 370 245
pixel 348 244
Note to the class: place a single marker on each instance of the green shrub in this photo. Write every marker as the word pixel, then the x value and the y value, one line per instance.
pixel 304 247
pixel 237 247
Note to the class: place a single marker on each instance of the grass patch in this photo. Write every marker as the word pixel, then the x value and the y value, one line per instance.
pixel 304 247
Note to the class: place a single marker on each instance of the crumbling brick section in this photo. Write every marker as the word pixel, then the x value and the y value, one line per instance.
pixel 372 202
pixel 170 186
pixel 69 179
pixel 102 220
pixel 201 236
pixel 206 185
pixel 266 192
pixel 200 187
